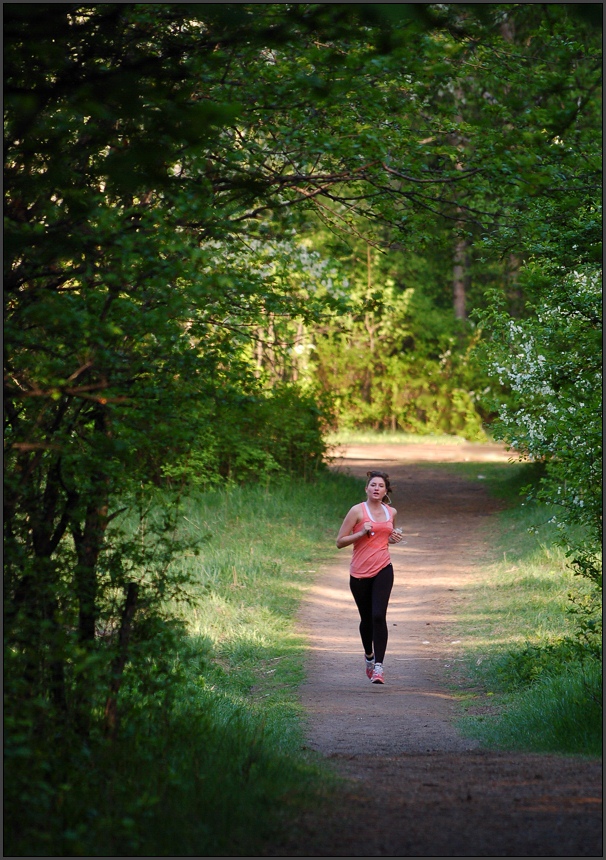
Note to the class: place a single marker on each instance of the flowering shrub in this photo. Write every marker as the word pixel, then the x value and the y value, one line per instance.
pixel 550 363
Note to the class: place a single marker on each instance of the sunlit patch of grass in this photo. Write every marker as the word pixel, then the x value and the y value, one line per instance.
pixel 244 657
pixel 520 598
pixel 262 549
pixel 521 656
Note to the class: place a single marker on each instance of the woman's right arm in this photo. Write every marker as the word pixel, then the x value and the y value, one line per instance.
pixel 345 536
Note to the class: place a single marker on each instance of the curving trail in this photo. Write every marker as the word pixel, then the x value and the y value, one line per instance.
pixel 415 786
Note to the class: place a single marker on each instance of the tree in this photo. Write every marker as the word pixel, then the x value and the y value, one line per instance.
pixel 137 137
pixel 157 159
pixel 122 338
pixel 551 363
pixel 131 150
pixel 548 358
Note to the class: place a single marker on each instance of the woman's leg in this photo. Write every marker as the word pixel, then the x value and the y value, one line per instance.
pixel 381 591
pixel 362 594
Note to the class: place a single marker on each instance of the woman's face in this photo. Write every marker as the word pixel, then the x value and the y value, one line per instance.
pixel 376 489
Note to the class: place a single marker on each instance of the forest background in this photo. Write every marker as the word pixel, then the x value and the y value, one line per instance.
pixel 231 229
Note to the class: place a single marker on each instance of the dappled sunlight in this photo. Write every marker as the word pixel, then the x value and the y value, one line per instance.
pixel 344 643
pixel 401 697
pixel 556 804
pixel 322 593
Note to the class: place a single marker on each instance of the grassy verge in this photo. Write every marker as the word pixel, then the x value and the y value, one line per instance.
pixel 530 685
pixel 211 759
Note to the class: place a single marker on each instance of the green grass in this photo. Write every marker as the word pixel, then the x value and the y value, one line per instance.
pixel 524 681
pixel 264 548
pixel 561 712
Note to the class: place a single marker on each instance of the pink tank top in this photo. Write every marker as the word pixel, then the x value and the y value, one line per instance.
pixel 371 553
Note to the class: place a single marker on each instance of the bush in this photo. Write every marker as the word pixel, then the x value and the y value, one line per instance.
pixel 256 437
pixel 518 669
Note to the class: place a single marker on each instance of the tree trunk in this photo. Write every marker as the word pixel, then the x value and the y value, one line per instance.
pixel 296 358
pixel 515 295
pixel 32 611
pixel 270 351
pixel 89 542
pixel 460 278
pixel 460 274
pixel 88 538
pixel 259 353
pixel 126 626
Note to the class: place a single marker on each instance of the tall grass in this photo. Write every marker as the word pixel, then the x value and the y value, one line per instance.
pixel 211 758
pixel 561 712
pixel 534 686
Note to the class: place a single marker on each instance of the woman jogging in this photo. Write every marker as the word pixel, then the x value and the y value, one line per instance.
pixel 369 527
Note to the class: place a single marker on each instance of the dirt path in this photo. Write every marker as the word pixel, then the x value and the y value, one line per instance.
pixel 416 787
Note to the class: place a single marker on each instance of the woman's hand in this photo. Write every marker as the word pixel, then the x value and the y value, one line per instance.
pixel 395 536
pixel 346 534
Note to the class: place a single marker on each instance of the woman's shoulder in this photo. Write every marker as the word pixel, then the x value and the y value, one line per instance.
pixel 392 510
pixel 355 510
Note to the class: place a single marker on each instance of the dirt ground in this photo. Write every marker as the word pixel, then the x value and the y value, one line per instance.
pixel 415 787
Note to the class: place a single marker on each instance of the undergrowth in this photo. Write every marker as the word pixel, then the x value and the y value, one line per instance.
pixel 210 757
pixel 535 676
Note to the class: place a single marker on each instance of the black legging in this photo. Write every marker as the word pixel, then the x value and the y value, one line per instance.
pixel 372 596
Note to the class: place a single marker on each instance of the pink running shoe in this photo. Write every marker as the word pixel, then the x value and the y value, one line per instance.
pixel 377 674
pixel 370 666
